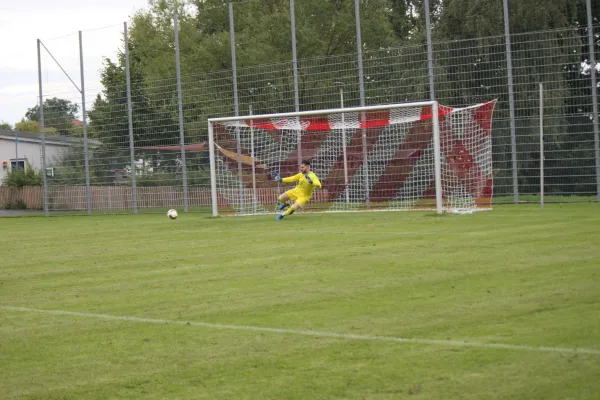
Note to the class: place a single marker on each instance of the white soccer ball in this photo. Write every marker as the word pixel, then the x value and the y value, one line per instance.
pixel 172 213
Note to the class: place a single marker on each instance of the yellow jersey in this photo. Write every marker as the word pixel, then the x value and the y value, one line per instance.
pixel 304 188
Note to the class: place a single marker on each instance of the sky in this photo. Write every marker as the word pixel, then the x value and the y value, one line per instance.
pixel 56 23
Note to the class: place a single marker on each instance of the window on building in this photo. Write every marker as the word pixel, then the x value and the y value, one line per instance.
pixel 17 164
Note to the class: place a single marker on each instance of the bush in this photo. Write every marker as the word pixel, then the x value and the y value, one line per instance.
pixel 17 205
pixel 194 178
pixel 18 178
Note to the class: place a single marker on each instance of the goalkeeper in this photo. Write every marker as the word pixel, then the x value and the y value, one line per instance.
pixel 301 194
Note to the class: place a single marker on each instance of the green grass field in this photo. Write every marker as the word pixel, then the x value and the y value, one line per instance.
pixel 518 275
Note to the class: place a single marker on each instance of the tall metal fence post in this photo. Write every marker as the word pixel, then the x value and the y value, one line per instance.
pixel 541 145
pixel 130 121
pixel 341 85
pixel 42 129
pixel 361 86
pixel 295 71
pixel 511 101
pixel 254 193
pixel 591 38
pixel 214 201
pixel 437 156
pixel 236 104
pixel 180 112
pixel 88 190
pixel 429 51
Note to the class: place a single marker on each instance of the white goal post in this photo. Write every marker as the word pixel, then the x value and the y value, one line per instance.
pixel 394 157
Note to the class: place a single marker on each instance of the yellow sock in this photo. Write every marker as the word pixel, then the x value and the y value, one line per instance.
pixel 290 210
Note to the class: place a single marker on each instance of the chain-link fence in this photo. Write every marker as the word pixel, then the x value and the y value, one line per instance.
pixel 146 139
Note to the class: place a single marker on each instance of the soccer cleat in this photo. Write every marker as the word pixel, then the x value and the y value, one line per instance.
pixel 280 217
pixel 283 206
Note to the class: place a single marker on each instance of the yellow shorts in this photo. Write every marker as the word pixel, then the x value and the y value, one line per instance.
pixel 297 197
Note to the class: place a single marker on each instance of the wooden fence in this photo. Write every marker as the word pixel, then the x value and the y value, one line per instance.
pixel 104 198
pixel 29 197
pixel 115 198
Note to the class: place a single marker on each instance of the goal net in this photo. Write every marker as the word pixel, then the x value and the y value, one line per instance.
pixel 399 157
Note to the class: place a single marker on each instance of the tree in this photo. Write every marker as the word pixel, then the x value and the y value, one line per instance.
pixel 33 127
pixel 58 113
pixel 464 19
pixel 262 31
pixel 154 116
pixel 408 18
pixel 469 52
pixel 324 28
pixel 474 69
pixel 5 126
pixel 28 126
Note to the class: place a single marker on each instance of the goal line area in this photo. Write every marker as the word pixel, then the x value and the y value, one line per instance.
pixel 396 157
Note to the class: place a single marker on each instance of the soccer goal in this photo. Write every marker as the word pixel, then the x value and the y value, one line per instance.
pixel 396 157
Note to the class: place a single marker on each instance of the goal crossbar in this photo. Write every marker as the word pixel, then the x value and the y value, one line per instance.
pixel 323 112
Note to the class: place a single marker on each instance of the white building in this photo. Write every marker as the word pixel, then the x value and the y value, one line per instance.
pixel 17 149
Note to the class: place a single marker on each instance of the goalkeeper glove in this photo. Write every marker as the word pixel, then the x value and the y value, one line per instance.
pixel 277 177
pixel 307 176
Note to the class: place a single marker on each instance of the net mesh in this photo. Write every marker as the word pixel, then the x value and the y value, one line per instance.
pixel 375 160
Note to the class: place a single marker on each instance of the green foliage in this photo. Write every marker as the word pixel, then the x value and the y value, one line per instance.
pixel 58 114
pixel 152 120
pixel 461 19
pixel 69 167
pixel 194 178
pixel 6 126
pixel 474 69
pixel 78 131
pixel 33 127
pixel 408 18
pixel 470 67
pixel 28 126
pixel 17 178
pixel 324 28
pixel 17 205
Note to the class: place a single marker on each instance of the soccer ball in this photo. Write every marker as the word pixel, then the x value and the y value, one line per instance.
pixel 172 213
